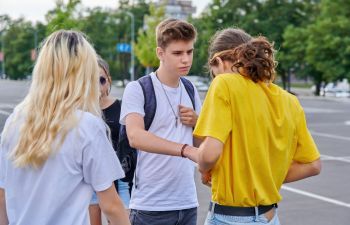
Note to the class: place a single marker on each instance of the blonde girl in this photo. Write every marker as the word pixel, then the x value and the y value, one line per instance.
pixel 54 148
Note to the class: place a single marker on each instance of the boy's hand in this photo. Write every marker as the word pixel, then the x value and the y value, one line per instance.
pixel 206 178
pixel 188 116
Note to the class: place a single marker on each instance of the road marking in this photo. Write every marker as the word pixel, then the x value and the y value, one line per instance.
pixel 333 158
pixel 320 110
pixel 9 106
pixel 4 113
pixel 319 197
pixel 330 136
pixel 324 124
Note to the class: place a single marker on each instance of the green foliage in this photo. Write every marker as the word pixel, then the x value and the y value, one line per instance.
pixel 269 18
pixel 329 40
pixel 19 39
pixel 101 26
pixel 63 16
pixel 319 48
pixel 145 48
pixel 311 36
pixel 200 54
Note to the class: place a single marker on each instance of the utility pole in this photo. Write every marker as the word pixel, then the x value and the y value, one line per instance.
pixel 3 53
pixel 34 53
pixel 132 66
pixel 3 27
pixel 36 41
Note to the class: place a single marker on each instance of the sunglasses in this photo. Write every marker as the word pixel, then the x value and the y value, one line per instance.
pixel 103 80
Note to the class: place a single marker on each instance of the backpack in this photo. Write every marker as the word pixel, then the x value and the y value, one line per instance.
pixel 128 155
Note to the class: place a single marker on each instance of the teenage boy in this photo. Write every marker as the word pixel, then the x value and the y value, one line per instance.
pixel 164 190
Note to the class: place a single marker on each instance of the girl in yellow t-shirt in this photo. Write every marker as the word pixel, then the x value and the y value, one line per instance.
pixel 255 134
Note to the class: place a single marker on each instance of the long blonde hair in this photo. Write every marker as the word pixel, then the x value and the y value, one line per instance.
pixel 65 79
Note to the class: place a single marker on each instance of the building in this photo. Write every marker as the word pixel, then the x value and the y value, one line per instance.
pixel 180 9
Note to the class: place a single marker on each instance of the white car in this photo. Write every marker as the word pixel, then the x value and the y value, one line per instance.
pixel 201 83
pixel 331 90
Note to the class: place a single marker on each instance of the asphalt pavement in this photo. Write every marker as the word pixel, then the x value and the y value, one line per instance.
pixel 321 200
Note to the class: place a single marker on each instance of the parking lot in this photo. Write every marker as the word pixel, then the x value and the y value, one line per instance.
pixel 321 200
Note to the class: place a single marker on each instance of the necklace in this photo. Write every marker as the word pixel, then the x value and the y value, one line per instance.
pixel 168 100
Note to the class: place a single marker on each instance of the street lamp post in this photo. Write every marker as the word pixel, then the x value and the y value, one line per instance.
pixel 3 27
pixel 34 50
pixel 132 66
pixel 3 54
pixel 35 40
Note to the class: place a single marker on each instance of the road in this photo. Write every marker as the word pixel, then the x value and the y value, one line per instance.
pixel 321 200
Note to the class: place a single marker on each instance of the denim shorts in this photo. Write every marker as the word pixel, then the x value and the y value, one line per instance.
pixel 94 199
pixel 218 219
pixel 179 217
pixel 123 189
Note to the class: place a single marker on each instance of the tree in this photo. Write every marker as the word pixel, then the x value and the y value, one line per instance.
pixel 63 16
pixel 318 48
pixel 257 17
pixel 103 30
pixel 145 48
pixel 205 26
pixel 19 39
pixel 328 48
pixel 294 55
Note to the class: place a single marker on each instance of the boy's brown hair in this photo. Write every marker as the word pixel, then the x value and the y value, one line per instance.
pixel 174 30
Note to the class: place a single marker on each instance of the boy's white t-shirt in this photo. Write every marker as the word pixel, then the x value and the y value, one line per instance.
pixel 163 182
pixel 60 191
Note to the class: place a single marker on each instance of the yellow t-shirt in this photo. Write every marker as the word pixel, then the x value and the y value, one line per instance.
pixel 263 129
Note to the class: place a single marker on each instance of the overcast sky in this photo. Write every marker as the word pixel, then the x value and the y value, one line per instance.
pixel 35 10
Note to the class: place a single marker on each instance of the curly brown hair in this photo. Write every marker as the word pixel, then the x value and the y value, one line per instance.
pixel 253 57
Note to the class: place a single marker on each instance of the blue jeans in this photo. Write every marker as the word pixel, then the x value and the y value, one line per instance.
pixel 218 219
pixel 178 217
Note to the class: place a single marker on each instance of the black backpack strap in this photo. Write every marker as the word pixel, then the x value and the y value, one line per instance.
pixel 190 90
pixel 126 154
pixel 149 95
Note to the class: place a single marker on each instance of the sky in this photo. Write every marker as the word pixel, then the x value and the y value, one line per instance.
pixel 35 10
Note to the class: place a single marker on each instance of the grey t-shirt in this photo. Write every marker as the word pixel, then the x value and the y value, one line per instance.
pixel 60 191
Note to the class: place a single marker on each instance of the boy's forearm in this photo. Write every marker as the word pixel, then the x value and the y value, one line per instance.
pixel 299 171
pixel 146 141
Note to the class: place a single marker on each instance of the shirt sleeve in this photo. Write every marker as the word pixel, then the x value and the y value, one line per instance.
pixel 306 148
pixel 2 165
pixel 197 101
pixel 4 152
pixel 133 101
pixel 215 119
pixel 100 163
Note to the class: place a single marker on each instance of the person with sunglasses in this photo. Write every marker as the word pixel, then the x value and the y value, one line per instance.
pixel 111 111
pixel 255 133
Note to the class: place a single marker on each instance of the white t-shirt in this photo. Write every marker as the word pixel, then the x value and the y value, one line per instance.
pixel 60 191
pixel 163 182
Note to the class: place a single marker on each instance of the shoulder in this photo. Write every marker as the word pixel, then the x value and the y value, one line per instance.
pixel 290 97
pixel 225 81
pixel 132 92
pixel 132 85
pixel 89 122
pixel 10 126
pixel 116 104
